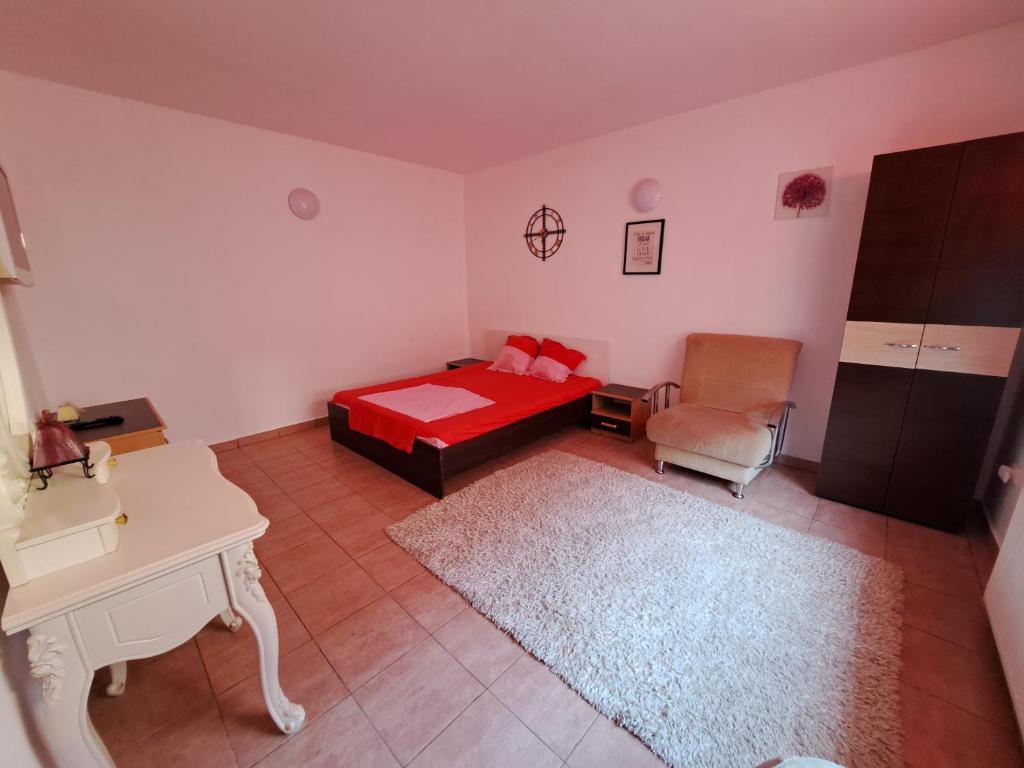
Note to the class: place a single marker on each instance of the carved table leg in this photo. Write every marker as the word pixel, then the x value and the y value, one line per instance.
pixel 61 709
pixel 118 678
pixel 231 621
pixel 247 597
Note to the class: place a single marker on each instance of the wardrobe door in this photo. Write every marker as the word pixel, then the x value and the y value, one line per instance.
pixel 863 432
pixel 908 202
pixel 980 280
pixel 969 340
pixel 901 240
pixel 945 432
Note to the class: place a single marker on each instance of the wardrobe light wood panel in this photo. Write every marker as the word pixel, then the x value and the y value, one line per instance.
pixel 978 349
pixel 890 344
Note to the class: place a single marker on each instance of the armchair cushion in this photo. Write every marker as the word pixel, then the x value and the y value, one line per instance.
pixel 735 437
pixel 745 374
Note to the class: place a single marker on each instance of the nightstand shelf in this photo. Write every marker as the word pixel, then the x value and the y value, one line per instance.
pixel 142 426
pixel 462 363
pixel 619 411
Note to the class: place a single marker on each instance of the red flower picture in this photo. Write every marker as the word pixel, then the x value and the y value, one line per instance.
pixel 806 191
pixel 803 193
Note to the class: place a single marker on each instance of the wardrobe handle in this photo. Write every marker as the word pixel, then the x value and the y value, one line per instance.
pixel 901 346
pixel 941 348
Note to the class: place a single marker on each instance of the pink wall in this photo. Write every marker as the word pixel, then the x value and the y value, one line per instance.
pixel 168 265
pixel 167 262
pixel 728 265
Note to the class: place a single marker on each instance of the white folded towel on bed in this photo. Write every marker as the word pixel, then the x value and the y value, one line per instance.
pixel 429 402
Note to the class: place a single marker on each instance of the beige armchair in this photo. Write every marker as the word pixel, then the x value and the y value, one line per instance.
pixel 733 407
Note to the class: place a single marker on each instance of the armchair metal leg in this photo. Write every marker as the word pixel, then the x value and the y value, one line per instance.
pixel 659 467
pixel 737 490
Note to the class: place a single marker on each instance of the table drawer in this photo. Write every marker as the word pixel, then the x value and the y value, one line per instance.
pixel 610 425
pixel 155 616
pixel 136 441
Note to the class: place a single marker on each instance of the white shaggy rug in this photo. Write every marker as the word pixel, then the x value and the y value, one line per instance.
pixel 719 639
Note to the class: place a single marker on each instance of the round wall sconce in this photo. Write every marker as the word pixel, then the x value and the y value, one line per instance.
pixel 303 203
pixel 646 195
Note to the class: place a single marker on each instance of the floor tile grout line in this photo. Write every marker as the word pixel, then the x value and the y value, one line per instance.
pixel 926 631
pixel 1012 731
pixel 386 590
pixel 292 736
pixel 256 673
pixel 181 714
pixel 584 736
pixel 335 569
pixel 376 729
pixel 942 697
pixel 483 690
pixel 515 714
pixel 306 722
pixel 382 671
pixel 386 594
pixel 469 606
pixel 959 597
pixel 321 529
pixel 429 636
pixel 206 667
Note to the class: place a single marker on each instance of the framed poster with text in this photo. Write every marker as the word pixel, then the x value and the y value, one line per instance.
pixel 642 255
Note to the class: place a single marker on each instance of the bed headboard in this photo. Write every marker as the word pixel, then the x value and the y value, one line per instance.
pixel 596 364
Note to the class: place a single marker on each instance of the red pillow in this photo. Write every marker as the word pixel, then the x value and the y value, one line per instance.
pixel 528 344
pixel 516 356
pixel 570 358
pixel 556 361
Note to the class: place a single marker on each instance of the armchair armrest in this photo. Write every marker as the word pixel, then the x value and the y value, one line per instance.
pixel 777 424
pixel 781 413
pixel 653 395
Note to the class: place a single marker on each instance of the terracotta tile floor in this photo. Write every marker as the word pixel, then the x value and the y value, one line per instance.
pixel 394 668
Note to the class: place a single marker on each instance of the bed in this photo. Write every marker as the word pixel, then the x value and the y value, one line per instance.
pixel 522 409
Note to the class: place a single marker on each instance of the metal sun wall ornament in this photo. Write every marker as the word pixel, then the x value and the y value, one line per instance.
pixel 544 233
pixel 803 194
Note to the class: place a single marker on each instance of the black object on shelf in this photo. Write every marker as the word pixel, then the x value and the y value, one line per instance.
pixel 105 421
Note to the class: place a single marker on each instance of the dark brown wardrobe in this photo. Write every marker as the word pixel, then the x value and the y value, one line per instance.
pixel 935 314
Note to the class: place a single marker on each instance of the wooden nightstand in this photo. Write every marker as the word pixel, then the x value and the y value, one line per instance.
pixel 617 411
pixel 142 427
pixel 462 363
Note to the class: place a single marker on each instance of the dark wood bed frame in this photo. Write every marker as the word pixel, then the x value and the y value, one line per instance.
pixel 430 467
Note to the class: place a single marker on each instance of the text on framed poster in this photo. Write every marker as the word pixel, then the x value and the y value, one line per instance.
pixel 642 254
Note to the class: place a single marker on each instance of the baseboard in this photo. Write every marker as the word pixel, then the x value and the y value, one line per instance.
pixel 270 434
pixel 797 463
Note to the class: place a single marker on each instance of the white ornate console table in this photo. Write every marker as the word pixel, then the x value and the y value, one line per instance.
pixel 184 557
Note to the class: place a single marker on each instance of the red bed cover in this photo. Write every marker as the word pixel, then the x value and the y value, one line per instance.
pixel 515 398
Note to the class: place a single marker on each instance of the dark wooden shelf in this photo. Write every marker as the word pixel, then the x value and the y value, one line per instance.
pixel 618 411
pixel 462 362
pixel 142 426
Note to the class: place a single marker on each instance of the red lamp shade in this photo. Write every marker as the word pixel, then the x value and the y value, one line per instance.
pixel 55 444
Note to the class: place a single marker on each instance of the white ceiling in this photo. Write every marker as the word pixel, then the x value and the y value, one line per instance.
pixel 461 84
